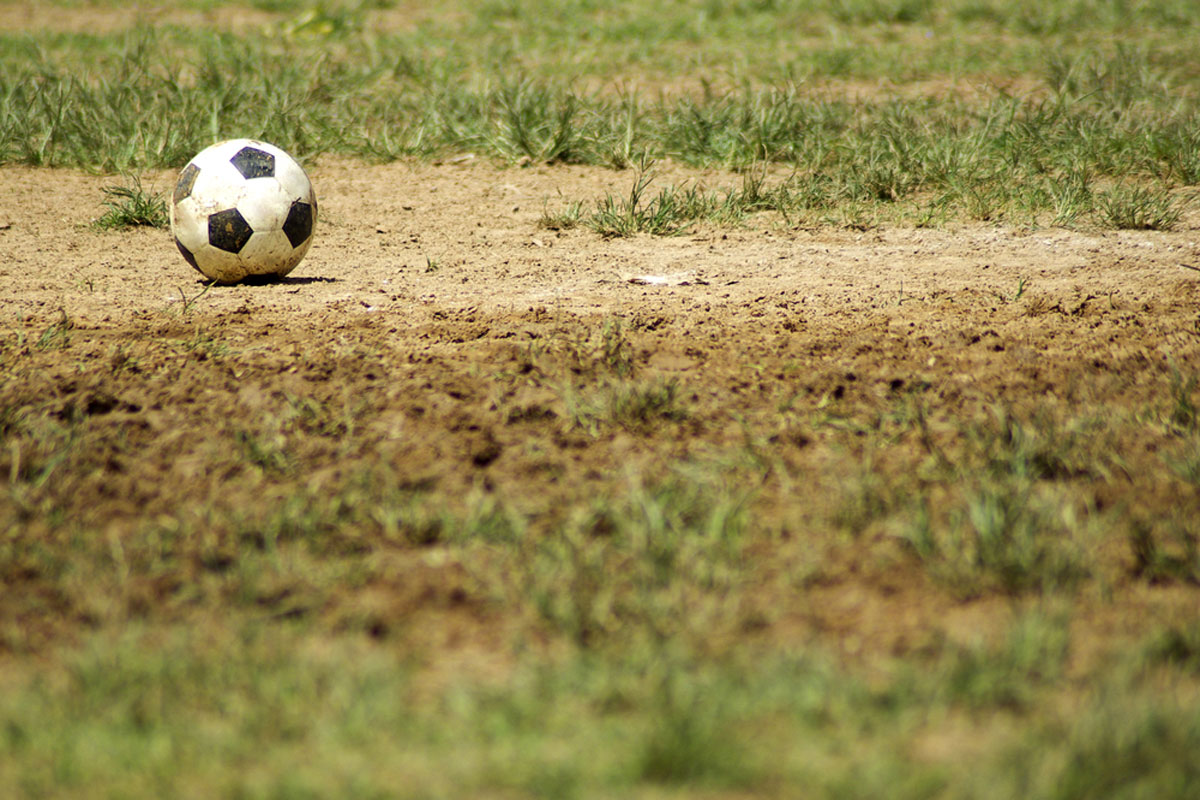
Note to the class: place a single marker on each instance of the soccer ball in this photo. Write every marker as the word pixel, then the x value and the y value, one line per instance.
pixel 243 209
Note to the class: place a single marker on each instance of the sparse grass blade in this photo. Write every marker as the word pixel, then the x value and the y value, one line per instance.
pixel 57 335
pixel 569 217
pixel 1186 463
pixel 1008 673
pixel 650 562
pixel 1166 550
pixel 1123 742
pixel 669 213
pixel 633 405
pixel 1184 411
pixel 132 206
pixel 1139 208
pixel 535 124
pixel 1011 521
pixel 1071 197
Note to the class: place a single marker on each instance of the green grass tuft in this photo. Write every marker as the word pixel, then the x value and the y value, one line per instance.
pixel 132 206
pixel 1139 208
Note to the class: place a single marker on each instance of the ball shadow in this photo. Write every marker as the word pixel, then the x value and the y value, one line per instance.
pixel 271 280
pixel 288 280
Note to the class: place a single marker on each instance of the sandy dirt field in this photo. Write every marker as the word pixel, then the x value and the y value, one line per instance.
pixel 382 227
pixel 430 291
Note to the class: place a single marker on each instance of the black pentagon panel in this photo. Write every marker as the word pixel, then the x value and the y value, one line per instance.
pixel 254 163
pixel 228 230
pixel 187 179
pixel 187 256
pixel 299 223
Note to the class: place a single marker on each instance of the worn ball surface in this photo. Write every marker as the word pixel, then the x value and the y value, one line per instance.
pixel 243 209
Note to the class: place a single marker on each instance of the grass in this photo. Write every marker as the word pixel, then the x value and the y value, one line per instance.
pixel 132 206
pixel 1118 115
pixel 585 576
pixel 666 214
pixel 649 564
pixel 135 691
pixel 1138 208
pixel 354 720
pixel 1007 674
pixel 1004 536
pixel 1014 519
pixel 628 405
pixel 57 335
pixel 635 622
pixel 1121 746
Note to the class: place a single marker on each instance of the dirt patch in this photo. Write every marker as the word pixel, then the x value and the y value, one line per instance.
pixel 468 234
pixel 424 333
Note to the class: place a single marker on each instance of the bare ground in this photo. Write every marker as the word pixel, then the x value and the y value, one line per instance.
pixel 429 287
